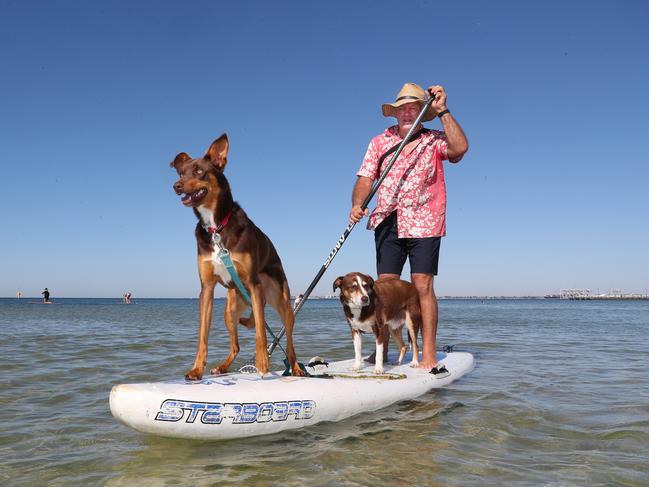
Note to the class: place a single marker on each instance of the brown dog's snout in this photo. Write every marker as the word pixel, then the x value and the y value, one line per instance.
pixel 178 187
pixel 364 299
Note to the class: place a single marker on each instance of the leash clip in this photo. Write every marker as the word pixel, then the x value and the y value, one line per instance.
pixel 216 240
pixel 216 237
pixel 222 251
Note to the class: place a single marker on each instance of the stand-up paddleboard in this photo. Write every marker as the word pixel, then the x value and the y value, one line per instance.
pixel 239 405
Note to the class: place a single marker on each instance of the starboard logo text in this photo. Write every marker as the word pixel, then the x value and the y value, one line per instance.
pixel 237 413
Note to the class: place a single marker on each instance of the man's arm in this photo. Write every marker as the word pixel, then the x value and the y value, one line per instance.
pixel 362 188
pixel 457 143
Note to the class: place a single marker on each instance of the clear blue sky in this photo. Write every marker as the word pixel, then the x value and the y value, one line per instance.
pixel 98 97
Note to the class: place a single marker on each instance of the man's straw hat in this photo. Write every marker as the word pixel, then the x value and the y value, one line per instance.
pixel 410 92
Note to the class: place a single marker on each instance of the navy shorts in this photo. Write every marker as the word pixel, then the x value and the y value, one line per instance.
pixel 391 251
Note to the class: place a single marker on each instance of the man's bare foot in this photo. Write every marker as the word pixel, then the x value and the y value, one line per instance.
pixel 426 365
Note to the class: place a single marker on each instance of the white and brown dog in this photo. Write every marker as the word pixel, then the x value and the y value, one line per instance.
pixel 371 306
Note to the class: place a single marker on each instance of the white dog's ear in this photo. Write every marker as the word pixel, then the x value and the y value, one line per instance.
pixel 338 282
pixel 217 154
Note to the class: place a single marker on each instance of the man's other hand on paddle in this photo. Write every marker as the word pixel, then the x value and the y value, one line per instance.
pixel 362 188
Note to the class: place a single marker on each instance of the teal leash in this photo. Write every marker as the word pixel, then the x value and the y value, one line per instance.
pixel 224 255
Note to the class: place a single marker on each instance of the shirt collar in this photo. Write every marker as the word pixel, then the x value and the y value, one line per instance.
pixel 391 132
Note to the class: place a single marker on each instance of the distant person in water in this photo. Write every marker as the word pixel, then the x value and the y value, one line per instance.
pixel 46 296
pixel 127 297
pixel 297 300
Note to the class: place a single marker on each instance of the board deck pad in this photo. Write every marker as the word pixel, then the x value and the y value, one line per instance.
pixel 240 405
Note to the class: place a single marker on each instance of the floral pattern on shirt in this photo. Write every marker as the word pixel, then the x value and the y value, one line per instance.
pixel 414 187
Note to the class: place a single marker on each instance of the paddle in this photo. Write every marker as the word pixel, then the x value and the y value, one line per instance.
pixel 351 226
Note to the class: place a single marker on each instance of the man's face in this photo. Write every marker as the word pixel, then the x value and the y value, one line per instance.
pixel 407 114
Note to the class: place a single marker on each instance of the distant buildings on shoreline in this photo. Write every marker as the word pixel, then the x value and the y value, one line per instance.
pixel 588 295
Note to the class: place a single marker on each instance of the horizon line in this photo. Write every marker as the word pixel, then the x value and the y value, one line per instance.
pixel 327 297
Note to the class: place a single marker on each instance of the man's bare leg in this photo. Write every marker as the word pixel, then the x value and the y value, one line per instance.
pixel 428 302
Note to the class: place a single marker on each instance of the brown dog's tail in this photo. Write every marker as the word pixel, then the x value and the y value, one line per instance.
pixel 248 322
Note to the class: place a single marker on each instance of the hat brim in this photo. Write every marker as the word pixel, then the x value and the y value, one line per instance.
pixel 390 109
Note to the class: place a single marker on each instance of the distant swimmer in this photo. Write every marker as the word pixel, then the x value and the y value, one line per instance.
pixel 46 296
pixel 19 294
pixel 297 300
pixel 127 297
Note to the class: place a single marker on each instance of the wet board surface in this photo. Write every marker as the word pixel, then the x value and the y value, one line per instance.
pixel 239 405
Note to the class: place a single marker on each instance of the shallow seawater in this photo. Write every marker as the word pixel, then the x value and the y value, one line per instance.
pixel 559 396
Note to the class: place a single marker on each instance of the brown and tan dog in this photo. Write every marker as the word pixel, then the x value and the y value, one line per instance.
pixel 373 306
pixel 207 191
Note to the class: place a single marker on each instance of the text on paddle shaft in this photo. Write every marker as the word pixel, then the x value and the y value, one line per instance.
pixel 339 244
pixel 238 413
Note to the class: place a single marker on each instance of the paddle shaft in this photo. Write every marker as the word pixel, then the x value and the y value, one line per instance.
pixel 351 226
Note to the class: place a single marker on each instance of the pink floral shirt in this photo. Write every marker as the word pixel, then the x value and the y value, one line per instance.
pixel 414 187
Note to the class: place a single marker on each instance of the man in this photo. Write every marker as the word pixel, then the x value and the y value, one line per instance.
pixel 410 217
pixel 46 295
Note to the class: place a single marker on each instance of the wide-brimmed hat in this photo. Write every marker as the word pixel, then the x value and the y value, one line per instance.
pixel 409 93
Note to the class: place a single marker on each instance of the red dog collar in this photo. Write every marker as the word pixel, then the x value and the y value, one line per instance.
pixel 221 226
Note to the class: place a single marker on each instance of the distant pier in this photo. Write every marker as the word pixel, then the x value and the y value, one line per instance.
pixel 588 295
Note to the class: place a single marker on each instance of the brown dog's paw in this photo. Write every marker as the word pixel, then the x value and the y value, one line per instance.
pixel 194 374
pixel 262 365
pixel 219 370
pixel 296 371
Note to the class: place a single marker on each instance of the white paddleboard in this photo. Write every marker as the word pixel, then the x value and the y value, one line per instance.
pixel 239 405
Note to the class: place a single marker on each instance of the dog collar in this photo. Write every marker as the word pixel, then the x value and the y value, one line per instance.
pixel 221 225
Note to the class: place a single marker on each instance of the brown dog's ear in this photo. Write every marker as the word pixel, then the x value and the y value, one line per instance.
pixel 179 160
pixel 217 154
pixel 338 282
pixel 370 280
